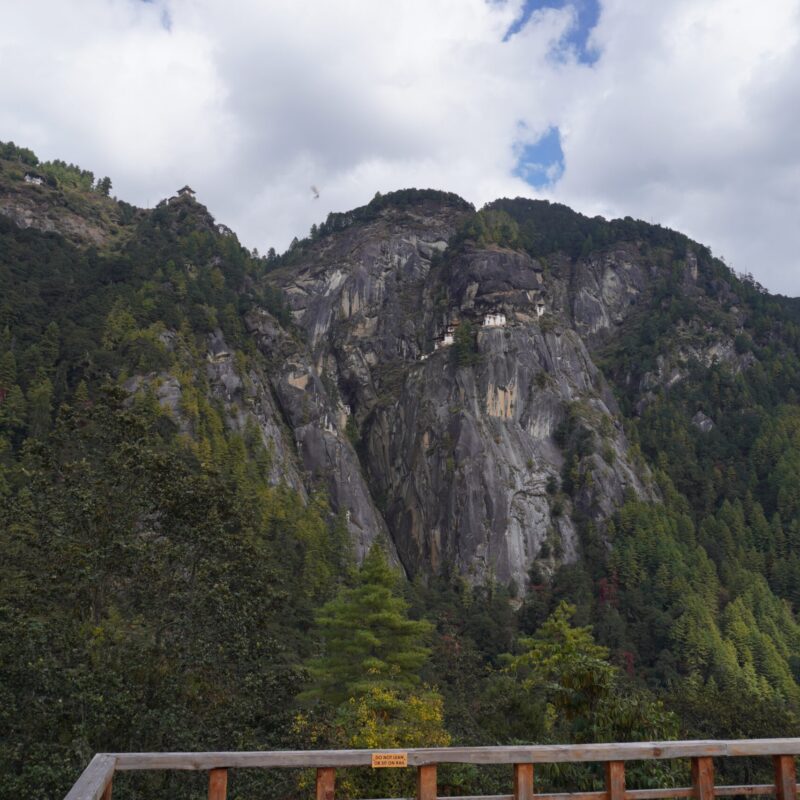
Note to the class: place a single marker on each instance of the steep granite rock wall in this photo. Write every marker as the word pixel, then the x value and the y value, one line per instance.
pixel 462 457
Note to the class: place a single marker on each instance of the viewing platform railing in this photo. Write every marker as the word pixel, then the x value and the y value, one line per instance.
pixel 96 781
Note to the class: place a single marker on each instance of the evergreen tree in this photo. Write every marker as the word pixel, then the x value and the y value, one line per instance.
pixel 369 671
pixel 368 639
pixel 562 687
pixel 465 350
pixel 40 396
pixel 8 370
pixel 582 695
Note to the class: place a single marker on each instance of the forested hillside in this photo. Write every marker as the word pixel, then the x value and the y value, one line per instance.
pixel 246 504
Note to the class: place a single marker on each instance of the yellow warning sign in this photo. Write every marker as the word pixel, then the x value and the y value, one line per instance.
pixel 389 760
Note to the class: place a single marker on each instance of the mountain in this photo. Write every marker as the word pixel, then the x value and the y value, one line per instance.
pixel 521 405
pixel 480 456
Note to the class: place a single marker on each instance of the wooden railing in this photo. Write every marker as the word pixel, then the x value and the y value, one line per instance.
pixel 96 781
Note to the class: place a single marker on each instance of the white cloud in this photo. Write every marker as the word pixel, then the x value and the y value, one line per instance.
pixel 687 118
pixel 108 87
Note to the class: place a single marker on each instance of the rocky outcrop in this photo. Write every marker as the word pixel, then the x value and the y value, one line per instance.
pixel 466 454
pixel 461 460
pixel 313 411
pixel 703 422
pixel 245 396
pixel 30 211
pixel 605 288
pixel 247 399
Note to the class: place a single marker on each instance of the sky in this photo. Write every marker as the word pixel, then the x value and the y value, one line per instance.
pixel 679 112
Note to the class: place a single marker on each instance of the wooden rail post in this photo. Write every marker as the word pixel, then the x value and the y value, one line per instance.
pixel 523 781
pixel 326 782
pixel 217 784
pixel 785 778
pixel 615 780
pixel 703 778
pixel 108 790
pixel 426 782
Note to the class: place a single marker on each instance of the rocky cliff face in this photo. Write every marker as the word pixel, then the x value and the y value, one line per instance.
pixel 474 456
pixel 94 221
pixel 27 211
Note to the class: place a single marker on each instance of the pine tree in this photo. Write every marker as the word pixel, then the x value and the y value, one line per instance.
pixel 369 671
pixel 465 350
pixel 368 639
pixel 40 397
pixel 8 370
pixel 13 411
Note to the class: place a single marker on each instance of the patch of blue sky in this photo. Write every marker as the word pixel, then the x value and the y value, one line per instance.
pixel 166 17
pixel 587 13
pixel 541 163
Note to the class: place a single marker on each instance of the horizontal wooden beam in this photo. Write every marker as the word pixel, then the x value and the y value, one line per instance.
pixel 658 794
pixel 95 779
pixel 684 791
pixel 531 754
pixel 475 797
pixel 759 789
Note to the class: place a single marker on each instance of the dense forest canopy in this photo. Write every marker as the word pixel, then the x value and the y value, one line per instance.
pixel 160 590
